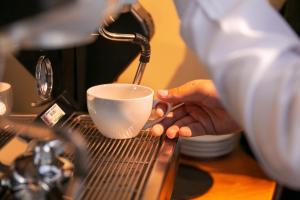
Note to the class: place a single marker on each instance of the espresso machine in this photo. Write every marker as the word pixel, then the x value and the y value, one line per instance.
pixel 73 70
pixel 69 46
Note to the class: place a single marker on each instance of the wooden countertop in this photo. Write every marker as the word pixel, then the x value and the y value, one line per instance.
pixel 235 176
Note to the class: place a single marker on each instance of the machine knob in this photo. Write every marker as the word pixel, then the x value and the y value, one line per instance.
pixel 44 81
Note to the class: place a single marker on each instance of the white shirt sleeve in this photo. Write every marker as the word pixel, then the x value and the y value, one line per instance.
pixel 253 57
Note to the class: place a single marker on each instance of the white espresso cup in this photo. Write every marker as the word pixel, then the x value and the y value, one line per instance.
pixel 121 111
pixel 6 100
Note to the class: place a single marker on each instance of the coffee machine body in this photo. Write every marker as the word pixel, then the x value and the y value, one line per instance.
pixel 140 168
pixel 75 69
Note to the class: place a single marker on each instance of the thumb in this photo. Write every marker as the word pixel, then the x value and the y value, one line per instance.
pixel 174 96
pixel 195 91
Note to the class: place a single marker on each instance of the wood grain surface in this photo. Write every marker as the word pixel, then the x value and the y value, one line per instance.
pixel 236 176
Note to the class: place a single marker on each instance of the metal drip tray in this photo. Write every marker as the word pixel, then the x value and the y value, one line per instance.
pixel 137 168
pixel 117 168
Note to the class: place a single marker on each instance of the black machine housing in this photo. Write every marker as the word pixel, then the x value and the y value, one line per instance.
pixel 78 68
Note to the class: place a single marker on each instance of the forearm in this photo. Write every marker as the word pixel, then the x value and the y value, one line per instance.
pixel 254 60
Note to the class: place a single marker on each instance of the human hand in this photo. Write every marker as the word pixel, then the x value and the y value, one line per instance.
pixel 202 112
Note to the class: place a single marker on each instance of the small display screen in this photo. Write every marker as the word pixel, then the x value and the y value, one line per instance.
pixel 53 115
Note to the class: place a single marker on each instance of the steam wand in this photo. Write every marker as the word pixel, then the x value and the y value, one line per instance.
pixel 136 39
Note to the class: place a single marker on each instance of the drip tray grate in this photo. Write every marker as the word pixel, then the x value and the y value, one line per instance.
pixel 7 133
pixel 5 136
pixel 118 169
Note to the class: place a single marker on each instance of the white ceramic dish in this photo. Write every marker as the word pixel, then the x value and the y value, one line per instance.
pixel 207 149
pixel 207 144
pixel 209 138
pixel 6 98
pixel 121 111
pixel 212 154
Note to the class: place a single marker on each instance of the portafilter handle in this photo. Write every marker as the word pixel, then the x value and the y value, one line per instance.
pixel 43 164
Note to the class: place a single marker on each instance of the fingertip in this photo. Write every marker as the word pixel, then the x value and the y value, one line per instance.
pixel 157 130
pixel 185 131
pixel 162 93
pixel 170 135
pixel 159 112
pixel 172 132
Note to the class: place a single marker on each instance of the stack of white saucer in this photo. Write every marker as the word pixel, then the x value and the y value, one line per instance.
pixel 209 146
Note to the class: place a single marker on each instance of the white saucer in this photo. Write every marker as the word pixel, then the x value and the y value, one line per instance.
pixel 207 149
pixel 208 146
pixel 209 138
pixel 212 154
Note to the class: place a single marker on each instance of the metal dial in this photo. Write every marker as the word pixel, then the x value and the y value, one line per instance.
pixel 44 77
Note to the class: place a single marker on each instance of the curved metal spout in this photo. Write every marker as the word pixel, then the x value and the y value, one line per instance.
pixel 116 36
pixel 136 38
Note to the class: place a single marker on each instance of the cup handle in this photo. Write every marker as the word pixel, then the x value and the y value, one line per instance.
pixel 149 124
